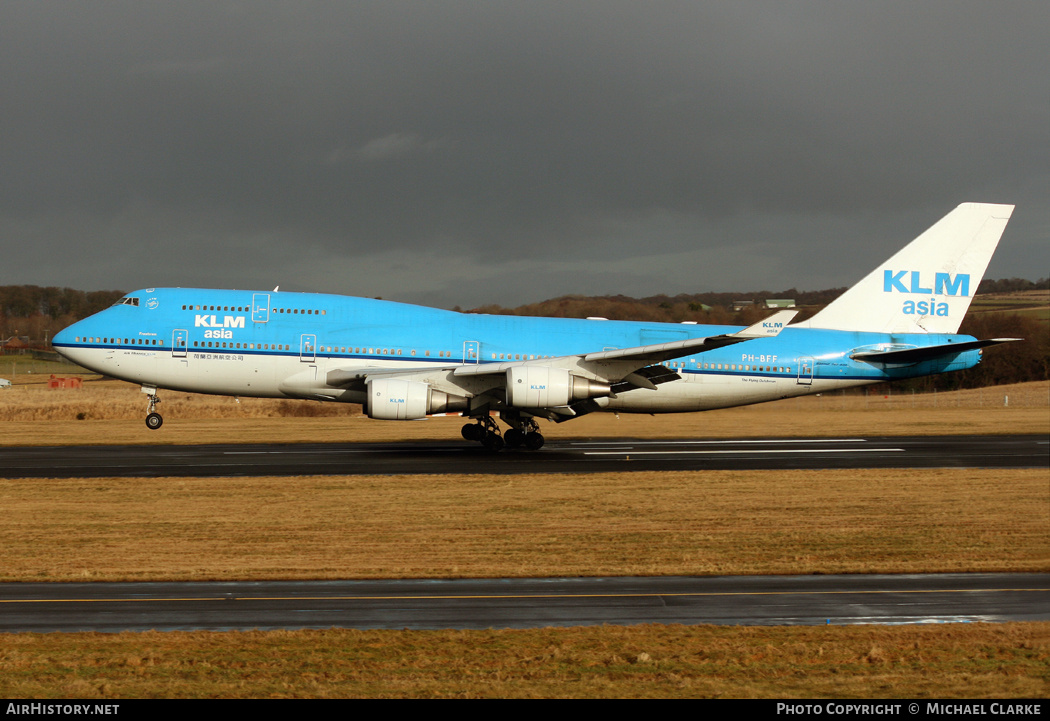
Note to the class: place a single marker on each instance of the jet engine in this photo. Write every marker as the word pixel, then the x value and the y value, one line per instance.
pixel 543 387
pixel 390 399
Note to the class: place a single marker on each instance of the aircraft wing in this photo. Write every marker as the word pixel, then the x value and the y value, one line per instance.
pixel 622 369
pixel 768 328
pixel 618 365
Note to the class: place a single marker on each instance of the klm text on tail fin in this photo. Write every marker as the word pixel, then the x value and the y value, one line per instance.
pixel 928 285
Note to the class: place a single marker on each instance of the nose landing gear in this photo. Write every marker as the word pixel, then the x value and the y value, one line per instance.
pixel 153 419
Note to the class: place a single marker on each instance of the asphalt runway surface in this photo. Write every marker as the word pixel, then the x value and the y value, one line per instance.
pixel 558 456
pixel 525 603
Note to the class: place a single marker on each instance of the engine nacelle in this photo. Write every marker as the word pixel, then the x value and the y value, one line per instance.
pixel 390 399
pixel 543 387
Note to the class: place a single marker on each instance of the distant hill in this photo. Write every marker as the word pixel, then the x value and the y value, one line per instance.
pixel 1009 308
pixel 682 307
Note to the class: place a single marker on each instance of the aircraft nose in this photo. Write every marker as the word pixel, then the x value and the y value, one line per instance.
pixel 64 336
pixel 65 341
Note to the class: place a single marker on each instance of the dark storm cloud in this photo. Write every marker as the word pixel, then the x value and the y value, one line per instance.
pixel 469 153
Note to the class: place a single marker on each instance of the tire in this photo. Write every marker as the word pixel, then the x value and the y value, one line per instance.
pixel 533 441
pixel 493 441
pixel 154 421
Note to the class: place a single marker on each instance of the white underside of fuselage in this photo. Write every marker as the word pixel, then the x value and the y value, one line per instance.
pixel 289 376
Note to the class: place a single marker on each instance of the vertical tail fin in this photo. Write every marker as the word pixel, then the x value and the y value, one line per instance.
pixel 927 286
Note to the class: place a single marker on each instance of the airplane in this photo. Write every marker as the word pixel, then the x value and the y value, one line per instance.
pixel 405 362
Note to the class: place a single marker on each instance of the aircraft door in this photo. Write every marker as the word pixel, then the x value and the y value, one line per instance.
pixel 471 352
pixel 805 371
pixel 260 307
pixel 179 340
pixel 307 348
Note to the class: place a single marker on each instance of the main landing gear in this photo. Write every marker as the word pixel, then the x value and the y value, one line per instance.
pixel 153 419
pixel 523 433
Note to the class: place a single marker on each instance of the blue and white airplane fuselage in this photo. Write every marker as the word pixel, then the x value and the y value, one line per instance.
pixel 402 362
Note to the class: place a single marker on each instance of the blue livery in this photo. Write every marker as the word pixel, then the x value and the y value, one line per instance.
pixel 404 362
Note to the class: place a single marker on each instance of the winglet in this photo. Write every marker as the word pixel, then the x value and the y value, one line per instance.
pixel 768 328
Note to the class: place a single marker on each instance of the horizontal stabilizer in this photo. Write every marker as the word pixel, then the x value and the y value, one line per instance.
pixel 917 355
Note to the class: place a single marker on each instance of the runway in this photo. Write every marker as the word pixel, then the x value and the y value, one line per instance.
pixel 558 456
pixel 525 603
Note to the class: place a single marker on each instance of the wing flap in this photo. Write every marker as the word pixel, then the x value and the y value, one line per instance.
pixel 648 377
pixel 354 377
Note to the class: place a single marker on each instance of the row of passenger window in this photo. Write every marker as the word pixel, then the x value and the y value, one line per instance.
pixel 742 367
pixel 318 349
pixel 258 346
pixel 243 346
pixel 125 341
pixel 376 351
pixel 729 366
pixel 398 351
pixel 517 356
pixel 247 309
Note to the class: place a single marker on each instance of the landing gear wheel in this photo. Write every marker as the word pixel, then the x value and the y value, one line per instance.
pixel 473 432
pixel 153 419
pixel 493 441
pixel 533 441
pixel 514 438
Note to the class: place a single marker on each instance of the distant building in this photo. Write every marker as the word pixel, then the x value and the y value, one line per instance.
pixel 14 344
pixel 742 304
pixel 780 303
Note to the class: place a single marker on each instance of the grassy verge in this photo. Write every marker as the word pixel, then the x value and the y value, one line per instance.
pixel 112 412
pixel 949 661
pixel 719 522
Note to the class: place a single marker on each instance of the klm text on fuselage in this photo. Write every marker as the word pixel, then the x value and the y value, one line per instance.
pixel 211 321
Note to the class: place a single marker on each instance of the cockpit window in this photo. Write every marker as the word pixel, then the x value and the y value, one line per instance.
pixel 128 300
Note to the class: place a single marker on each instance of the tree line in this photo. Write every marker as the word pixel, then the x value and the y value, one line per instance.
pixel 1001 364
pixel 38 313
pixel 682 307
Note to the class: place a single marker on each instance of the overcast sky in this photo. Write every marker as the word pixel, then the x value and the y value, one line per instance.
pixel 464 153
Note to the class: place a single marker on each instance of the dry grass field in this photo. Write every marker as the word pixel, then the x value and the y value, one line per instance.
pixel 1022 301
pixel 544 525
pixel 960 661
pixel 112 412
pixel 691 523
